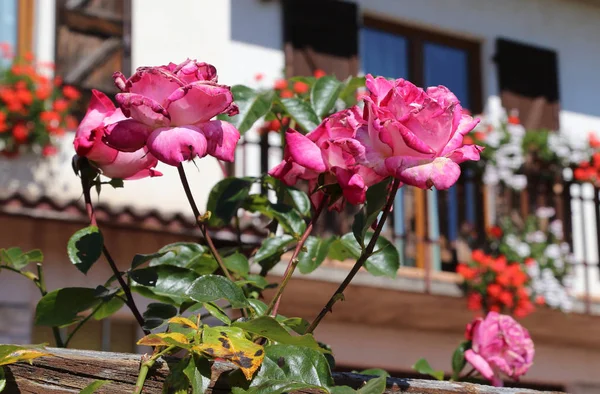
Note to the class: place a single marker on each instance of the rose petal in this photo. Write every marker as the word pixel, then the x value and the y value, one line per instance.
pixel 466 152
pixel 198 102
pixel 304 152
pixel 143 109
pixel 173 145
pixel 90 145
pixel 131 165
pixel 155 83
pixel 467 123
pixel 128 135
pixel 479 364
pixel 378 87
pixel 440 173
pixel 222 138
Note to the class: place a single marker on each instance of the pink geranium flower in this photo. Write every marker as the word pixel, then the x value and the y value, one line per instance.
pixel 89 143
pixel 169 111
pixel 332 151
pixel 414 135
pixel 500 346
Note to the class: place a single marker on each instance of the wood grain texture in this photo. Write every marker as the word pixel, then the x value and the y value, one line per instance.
pixel 69 371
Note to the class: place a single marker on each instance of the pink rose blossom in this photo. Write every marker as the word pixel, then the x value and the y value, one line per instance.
pixel 500 345
pixel 414 135
pixel 169 110
pixel 101 115
pixel 331 149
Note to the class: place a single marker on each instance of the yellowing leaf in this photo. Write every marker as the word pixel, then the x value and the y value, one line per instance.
pixel 165 339
pixel 10 354
pixel 183 321
pixel 231 344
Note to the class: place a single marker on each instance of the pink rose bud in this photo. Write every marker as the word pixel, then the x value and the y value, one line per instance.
pixel 102 115
pixel 414 135
pixel 168 111
pixel 500 345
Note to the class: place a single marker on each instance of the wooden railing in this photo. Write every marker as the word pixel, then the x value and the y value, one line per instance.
pixel 69 371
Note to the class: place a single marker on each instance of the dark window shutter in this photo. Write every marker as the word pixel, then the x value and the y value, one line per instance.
pixel 92 42
pixel 528 78
pixel 320 34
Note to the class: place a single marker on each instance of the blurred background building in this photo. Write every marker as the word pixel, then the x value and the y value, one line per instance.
pixel 538 56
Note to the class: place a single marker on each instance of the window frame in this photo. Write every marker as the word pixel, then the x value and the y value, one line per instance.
pixel 25 20
pixel 416 38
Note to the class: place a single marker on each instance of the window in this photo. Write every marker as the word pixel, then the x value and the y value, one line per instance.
pixel 16 26
pixel 326 39
pixel 423 57
pixel 92 40
pixel 528 79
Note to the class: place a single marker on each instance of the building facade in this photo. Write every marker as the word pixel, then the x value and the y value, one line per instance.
pixel 539 56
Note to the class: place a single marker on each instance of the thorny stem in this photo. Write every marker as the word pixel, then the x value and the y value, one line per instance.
pixel 86 186
pixel 145 368
pixel 293 263
pixel 201 224
pixel 366 253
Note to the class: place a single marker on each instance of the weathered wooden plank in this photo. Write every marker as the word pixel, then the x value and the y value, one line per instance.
pixel 95 22
pixel 68 371
pixel 88 64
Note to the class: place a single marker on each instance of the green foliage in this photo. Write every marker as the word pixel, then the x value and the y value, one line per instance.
pixel 376 198
pixel 225 198
pixel 62 307
pixel 16 258
pixel 385 261
pixel 422 366
pixel 315 252
pixel 268 327
pixel 458 358
pixel 302 112
pixel 93 387
pixel 209 288
pixel 165 283
pixel 324 94
pixel 156 314
pixel 85 248
pixel 252 105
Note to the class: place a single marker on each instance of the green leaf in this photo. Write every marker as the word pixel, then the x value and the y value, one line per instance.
pixel 237 263
pixel 342 390
pixel 324 93
pixel 187 255
pixel 157 313
pixel 458 358
pixel 385 262
pixel 217 312
pixel 259 307
pixel 375 372
pixel 85 248
pixel 351 85
pixel 423 367
pixel 274 246
pixel 254 280
pixel 297 324
pixel 92 387
pixel 61 307
pixel 225 198
pixel 165 283
pixel 16 258
pixel 198 373
pixel 108 308
pixel 287 216
pixel 302 113
pixel 177 381
pixel 252 105
pixel 314 255
pixel 268 327
pixel 288 368
pixel 292 196
pixel 374 386
pixel 10 354
pixel 375 201
pixel 210 288
pixel 140 259
pixel 2 379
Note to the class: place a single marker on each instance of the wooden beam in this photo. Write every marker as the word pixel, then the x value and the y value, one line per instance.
pixel 89 63
pixel 25 27
pixel 94 22
pixel 69 371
